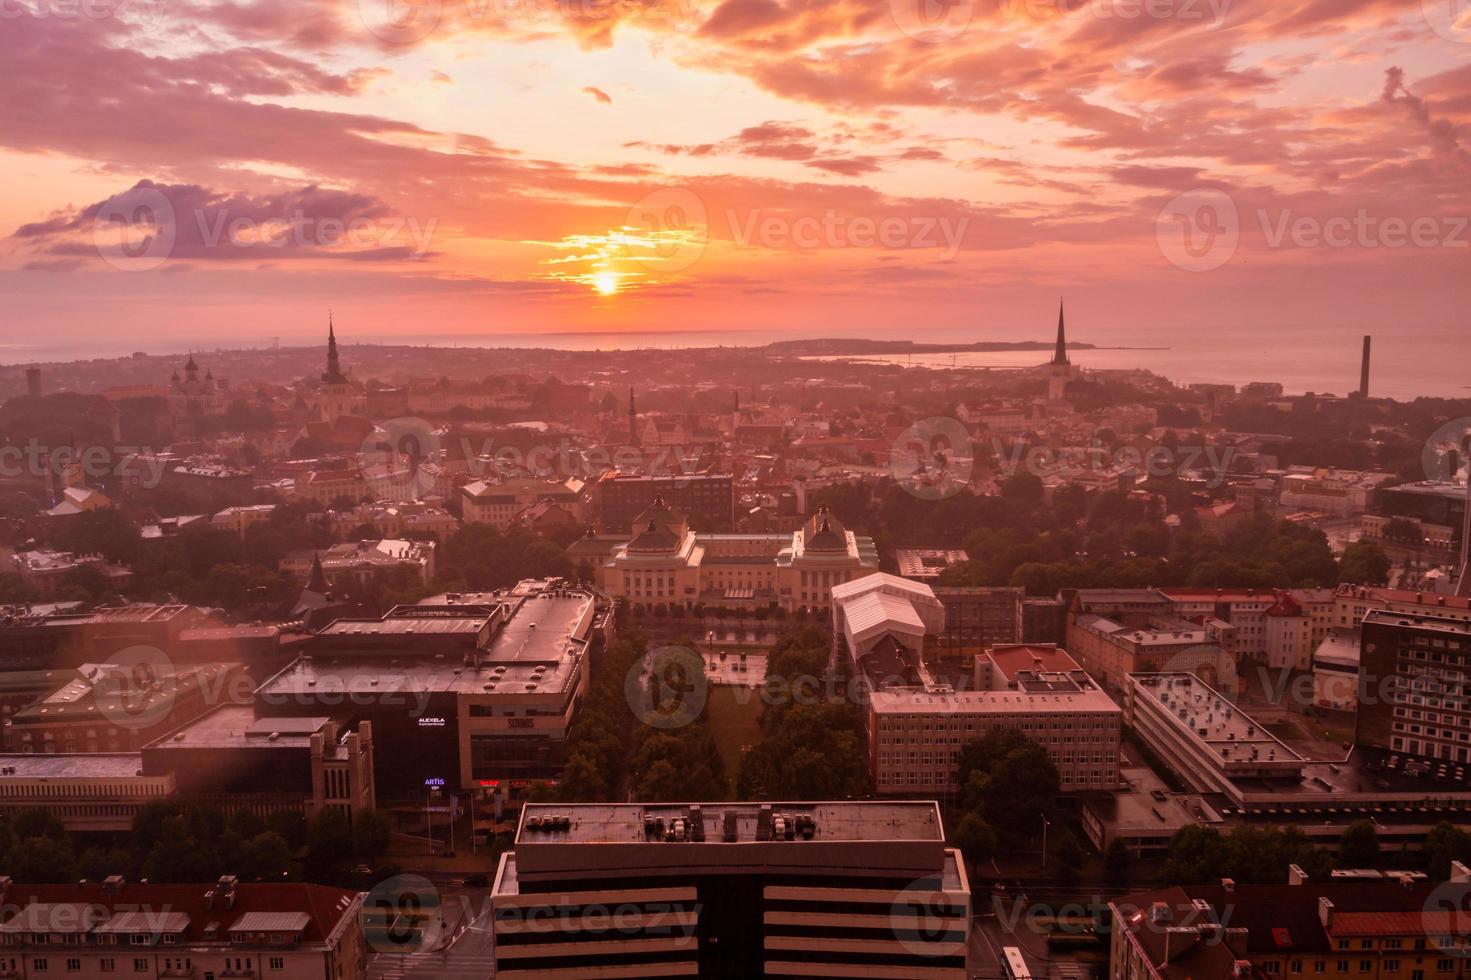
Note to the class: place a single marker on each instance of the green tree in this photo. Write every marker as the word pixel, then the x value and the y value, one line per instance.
pixel 1117 864
pixel 975 838
pixel 372 831
pixel 1364 563
pixel 1197 856
pixel 1359 846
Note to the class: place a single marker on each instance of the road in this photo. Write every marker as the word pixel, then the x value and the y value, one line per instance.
pixel 468 956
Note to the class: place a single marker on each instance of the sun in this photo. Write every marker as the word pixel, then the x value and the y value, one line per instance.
pixel 605 283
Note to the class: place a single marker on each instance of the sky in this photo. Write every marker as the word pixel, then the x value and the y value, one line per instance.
pixel 189 170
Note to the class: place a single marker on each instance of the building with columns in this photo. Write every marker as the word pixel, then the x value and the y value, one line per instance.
pixel 667 563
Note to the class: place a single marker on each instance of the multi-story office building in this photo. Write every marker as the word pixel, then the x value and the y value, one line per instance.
pixel 1415 688
pixel 707 499
pixel 731 890
pixel 917 725
pixel 977 618
pixel 1384 929
pixel 103 930
pixel 499 502
pixel 465 691
pixel 915 735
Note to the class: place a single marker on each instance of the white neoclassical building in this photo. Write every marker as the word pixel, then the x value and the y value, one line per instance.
pixel 665 562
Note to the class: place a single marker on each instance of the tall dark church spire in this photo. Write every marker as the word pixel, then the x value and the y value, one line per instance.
pixel 1060 355
pixel 333 374
pixel 632 420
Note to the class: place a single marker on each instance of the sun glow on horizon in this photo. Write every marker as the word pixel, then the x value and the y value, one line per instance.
pixel 606 283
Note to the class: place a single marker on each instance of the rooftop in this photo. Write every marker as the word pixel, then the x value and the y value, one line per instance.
pixel 624 823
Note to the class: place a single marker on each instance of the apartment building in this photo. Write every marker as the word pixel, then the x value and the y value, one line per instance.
pixel 103 930
pixel 1415 688
pixel 355 564
pixel 731 890
pixel 1389 928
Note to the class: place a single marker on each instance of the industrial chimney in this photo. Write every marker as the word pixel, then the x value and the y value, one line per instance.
pixel 1364 370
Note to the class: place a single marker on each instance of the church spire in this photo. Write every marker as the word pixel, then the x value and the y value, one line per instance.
pixel 333 374
pixel 1060 355
pixel 632 420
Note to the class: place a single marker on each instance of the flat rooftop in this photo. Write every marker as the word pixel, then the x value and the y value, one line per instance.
pixel 75 765
pixel 894 702
pixel 623 823
pixel 1436 624
pixel 234 726
pixel 1228 731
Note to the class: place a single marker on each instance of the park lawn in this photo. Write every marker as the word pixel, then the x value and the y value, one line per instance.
pixel 733 724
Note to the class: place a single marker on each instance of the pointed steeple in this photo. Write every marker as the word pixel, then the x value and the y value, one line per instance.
pixel 1060 355
pixel 632 420
pixel 317 581
pixel 333 374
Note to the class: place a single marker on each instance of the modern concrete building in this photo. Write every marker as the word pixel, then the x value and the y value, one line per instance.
pixel 707 498
pixel 731 890
pixel 465 691
pixel 977 618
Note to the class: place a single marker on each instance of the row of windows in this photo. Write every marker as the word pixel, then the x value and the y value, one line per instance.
pixel 108 964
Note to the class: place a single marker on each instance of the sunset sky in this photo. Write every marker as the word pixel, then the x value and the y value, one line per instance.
pixel 826 166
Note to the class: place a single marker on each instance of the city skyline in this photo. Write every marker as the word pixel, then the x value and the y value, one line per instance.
pixel 663 167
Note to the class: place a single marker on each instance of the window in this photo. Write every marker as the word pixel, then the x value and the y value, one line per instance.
pixel 1319 966
pixel 1342 966
pixel 1391 966
pixel 73 965
pixel 140 965
pixel 279 962
pixel 39 964
pixel 1445 966
pixel 109 965
pixel 1366 966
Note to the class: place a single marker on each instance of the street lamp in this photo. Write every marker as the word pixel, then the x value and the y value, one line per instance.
pixel 1045 824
